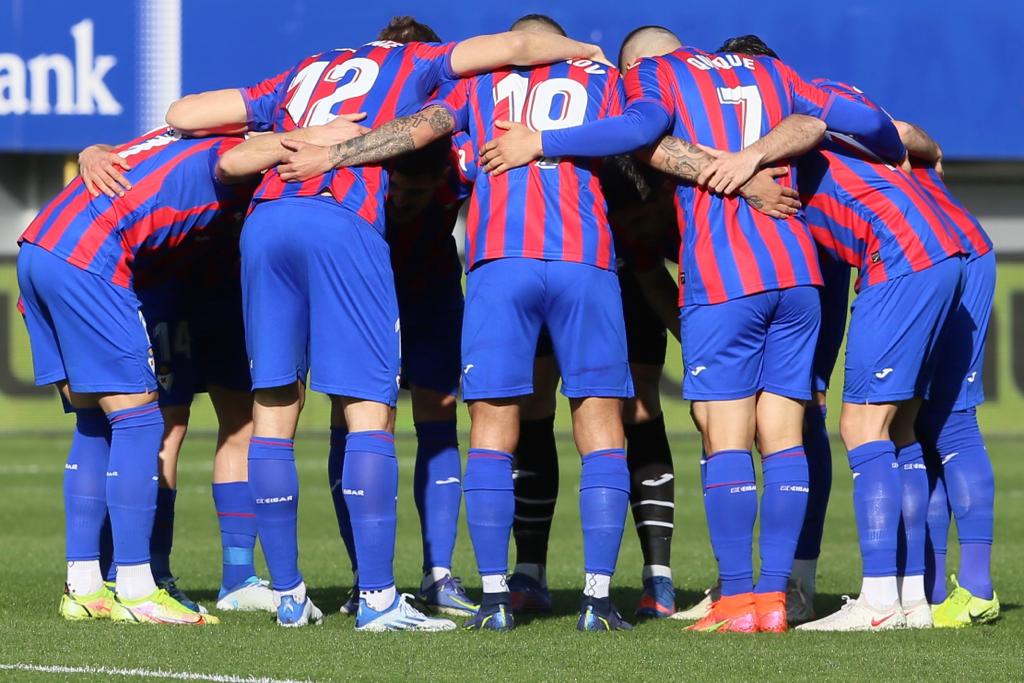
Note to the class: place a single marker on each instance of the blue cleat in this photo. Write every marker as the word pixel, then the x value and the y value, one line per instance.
pixel 292 614
pixel 447 596
pixel 658 600
pixel 528 596
pixel 170 585
pixel 400 616
pixel 494 614
pixel 599 614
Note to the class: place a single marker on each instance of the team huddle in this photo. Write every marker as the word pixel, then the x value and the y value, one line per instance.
pixel 300 232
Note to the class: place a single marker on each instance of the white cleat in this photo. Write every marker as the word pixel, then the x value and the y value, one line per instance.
pixel 857 615
pixel 918 614
pixel 400 616
pixel 252 595
pixel 702 608
pixel 799 603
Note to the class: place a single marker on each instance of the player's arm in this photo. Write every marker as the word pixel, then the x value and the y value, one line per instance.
pixel 794 135
pixel 98 166
pixel 662 294
pixel 209 113
pixel 518 48
pixel 919 144
pixel 395 137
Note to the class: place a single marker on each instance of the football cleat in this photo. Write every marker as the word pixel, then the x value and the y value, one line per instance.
pixel 170 585
pixel 292 614
pixel 961 608
pixel 351 605
pixel 528 595
pixel 799 603
pixel 702 608
pixel 400 616
pixel 158 608
pixel 599 614
pixel 771 612
pixel 918 614
pixel 494 614
pixel 252 595
pixel 858 615
pixel 658 600
pixel 447 596
pixel 730 613
pixel 84 607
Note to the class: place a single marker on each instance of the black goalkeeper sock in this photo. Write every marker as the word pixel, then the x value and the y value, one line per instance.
pixel 535 469
pixel 652 488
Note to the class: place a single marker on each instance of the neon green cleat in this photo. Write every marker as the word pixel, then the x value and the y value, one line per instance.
pixel 85 607
pixel 961 609
pixel 158 608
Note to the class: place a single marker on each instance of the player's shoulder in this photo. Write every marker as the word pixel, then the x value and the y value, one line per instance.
pixel 845 90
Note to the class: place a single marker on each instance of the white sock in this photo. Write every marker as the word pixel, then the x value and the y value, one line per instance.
pixel 379 600
pixel 596 585
pixel 299 593
pixel 805 571
pixel 134 581
pixel 537 572
pixel 433 576
pixel 84 577
pixel 911 589
pixel 656 570
pixel 880 591
pixel 494 583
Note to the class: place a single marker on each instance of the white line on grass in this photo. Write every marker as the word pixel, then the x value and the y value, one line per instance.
pixel 142 673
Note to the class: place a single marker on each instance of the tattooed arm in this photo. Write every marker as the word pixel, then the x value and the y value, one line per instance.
pixel 389 140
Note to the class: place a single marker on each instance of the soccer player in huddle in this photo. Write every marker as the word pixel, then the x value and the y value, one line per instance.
pixel 319 292
pixel 76 271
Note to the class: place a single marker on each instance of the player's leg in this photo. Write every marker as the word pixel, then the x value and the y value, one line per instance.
pixel 335 471
pixel 535 473
pixel 584 316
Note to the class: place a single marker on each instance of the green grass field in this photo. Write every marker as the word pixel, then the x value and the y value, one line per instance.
pixel 31 575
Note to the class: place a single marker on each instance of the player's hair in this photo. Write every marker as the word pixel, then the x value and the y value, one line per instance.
pixel 624 182
pixel 748 45
pixel 406 29
pixel 539 19
pixel 639 32
pixel 430 160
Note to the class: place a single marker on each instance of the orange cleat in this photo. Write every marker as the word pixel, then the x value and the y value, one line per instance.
pixel 730 614
pixel 771 612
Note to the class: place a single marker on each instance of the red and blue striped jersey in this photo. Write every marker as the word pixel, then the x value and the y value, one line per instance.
pixel 551 209
pixel 384 79
pixel 728 101
pixel 423 250
pixel 869 214
pixel 174 192
pixel 974 241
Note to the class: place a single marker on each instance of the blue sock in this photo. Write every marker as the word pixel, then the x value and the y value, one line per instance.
pixel 437 488
pixel 135 438
pixel 937 541
pixel 970 486
pixel 910 553
pixel 370 484
pixel 236 516
pixel 490 507
pixel 335 468
pixel 604 500
pixel 783 505
pixel 819 481
pixel 85 485
pixel 274 488
pixel 730 499
pixel 163 534
pixel 876 505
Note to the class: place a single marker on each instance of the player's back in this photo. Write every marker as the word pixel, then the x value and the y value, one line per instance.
pixel 174 191
pixel 384 79
pixel 973 239
pixel 552 208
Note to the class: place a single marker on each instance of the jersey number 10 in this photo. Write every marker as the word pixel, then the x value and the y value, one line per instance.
pixel 533 106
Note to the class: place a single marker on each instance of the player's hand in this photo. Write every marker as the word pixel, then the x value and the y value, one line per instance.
pixel 728 173
pixel 599 56
pixel 341 129
pixel 517 147
pixel 99 165
pixel 768 196
pixel 305 161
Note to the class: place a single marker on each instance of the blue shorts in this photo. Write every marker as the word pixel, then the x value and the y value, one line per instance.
pixel 761 342
pixel 319 293
pixel 894 330
pixel 431 334
pixel 167 320
pixel 83 328
pixel 509 300
pixel 957 383
pixel 835 299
